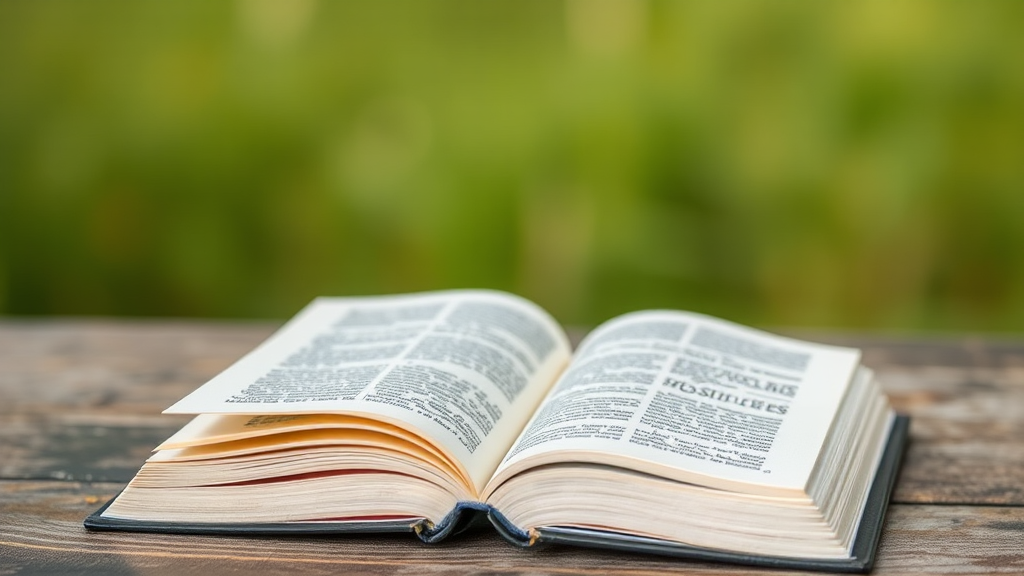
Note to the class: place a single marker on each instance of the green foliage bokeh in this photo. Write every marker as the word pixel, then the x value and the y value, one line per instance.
pixel 785 163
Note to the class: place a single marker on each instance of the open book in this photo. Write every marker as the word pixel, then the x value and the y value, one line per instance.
pixel 667 432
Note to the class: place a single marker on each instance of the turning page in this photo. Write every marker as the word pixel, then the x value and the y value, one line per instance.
pixel 465 369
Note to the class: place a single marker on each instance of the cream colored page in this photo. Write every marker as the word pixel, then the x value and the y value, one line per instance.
pixel 463 368
pixel 216 428
pixel 219 435
pixel 685 391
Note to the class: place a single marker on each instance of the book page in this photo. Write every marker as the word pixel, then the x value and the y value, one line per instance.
pixel 465 369
pixel 681 391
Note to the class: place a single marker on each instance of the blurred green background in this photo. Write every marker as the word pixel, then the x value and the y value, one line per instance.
pixel 842 164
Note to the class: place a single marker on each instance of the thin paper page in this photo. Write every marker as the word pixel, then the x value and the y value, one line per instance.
pixel 690 392
pixel 463 368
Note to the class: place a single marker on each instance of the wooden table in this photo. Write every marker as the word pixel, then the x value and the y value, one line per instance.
pixel 80 404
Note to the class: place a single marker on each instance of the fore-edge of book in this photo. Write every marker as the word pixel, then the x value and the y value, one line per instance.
pixel 666 432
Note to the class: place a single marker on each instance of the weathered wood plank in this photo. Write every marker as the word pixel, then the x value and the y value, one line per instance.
pixel 41 532
pixel 959 403
pixel 967 433
pixel 87 447
pixel 134 367
pixel 923 351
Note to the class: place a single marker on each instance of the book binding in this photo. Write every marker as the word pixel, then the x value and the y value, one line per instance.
pixel 466 515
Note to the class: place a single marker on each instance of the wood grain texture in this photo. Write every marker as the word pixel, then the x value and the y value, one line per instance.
pixel 114 367
pixel 91 448
pixel 967 403
pixel 967 435
pixel 79 411
pixel 42 529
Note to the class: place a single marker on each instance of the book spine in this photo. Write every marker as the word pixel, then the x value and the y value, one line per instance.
pixel 468 514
